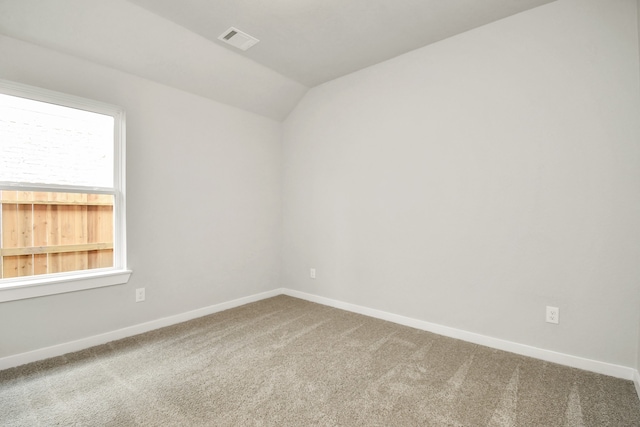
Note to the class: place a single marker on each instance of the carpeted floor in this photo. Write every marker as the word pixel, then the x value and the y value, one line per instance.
pixel 288 362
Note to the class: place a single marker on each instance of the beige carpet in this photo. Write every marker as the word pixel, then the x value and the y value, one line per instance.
pixel 287 362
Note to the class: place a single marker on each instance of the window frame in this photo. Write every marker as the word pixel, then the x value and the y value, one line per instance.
pixel 55 283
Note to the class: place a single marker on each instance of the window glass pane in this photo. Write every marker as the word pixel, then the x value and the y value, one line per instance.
pixel 54 232
pixel 50 144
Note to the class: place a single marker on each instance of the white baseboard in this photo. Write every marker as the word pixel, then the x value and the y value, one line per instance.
pixel 522 349
pixel 617 371
pixel 81 344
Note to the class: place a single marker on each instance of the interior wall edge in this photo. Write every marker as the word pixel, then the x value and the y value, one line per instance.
pixel 81 344
pixel 618 371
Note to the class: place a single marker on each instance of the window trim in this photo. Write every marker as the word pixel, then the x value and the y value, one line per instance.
pixel 50 284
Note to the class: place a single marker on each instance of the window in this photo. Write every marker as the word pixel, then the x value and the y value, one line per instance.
pixel 62 199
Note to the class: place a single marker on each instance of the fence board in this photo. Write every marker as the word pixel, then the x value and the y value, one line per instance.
pixel 44 250
pixel 10 236
pixel 50 202
pixel 68 260
pixel 40 238
pixel 51 232
pixel 105 234
pixel 25 236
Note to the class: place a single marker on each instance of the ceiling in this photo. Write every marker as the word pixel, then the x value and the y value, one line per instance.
pixel 316 41
pixel 303 43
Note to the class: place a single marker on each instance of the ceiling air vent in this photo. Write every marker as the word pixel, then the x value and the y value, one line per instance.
pixel 237 38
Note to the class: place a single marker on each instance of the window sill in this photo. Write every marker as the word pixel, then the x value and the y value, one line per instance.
pixel 17 289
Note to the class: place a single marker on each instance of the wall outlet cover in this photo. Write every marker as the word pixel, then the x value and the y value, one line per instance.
pixel 553 315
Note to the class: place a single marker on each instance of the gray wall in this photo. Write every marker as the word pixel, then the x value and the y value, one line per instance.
pixel 638 342
pixel 204 206
pixel 469 183
pixel 472 182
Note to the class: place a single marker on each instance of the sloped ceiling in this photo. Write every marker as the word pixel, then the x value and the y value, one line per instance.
pixel 315 41
pixel 121 35
pixel 303 43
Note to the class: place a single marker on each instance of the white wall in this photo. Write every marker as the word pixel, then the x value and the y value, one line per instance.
pixel 474 181
pixel 204 205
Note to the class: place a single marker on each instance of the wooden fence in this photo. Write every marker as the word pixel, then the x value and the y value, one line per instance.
pixel 51 232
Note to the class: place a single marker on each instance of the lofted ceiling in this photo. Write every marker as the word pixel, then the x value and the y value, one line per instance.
pixel 313 41
pixel 303 43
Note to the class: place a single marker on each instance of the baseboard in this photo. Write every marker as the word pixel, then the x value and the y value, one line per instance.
pixel 522 349
pixel 617 371
pixel 81 344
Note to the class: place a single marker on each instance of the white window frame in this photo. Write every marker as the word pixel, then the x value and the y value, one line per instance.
pixel 50 284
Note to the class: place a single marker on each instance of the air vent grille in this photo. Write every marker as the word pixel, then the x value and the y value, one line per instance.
pixel 230 34
pixel 237 38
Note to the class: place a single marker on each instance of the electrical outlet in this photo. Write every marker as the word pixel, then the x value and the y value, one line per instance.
pixel 553 315
pixel 139 294
pixel 312 273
